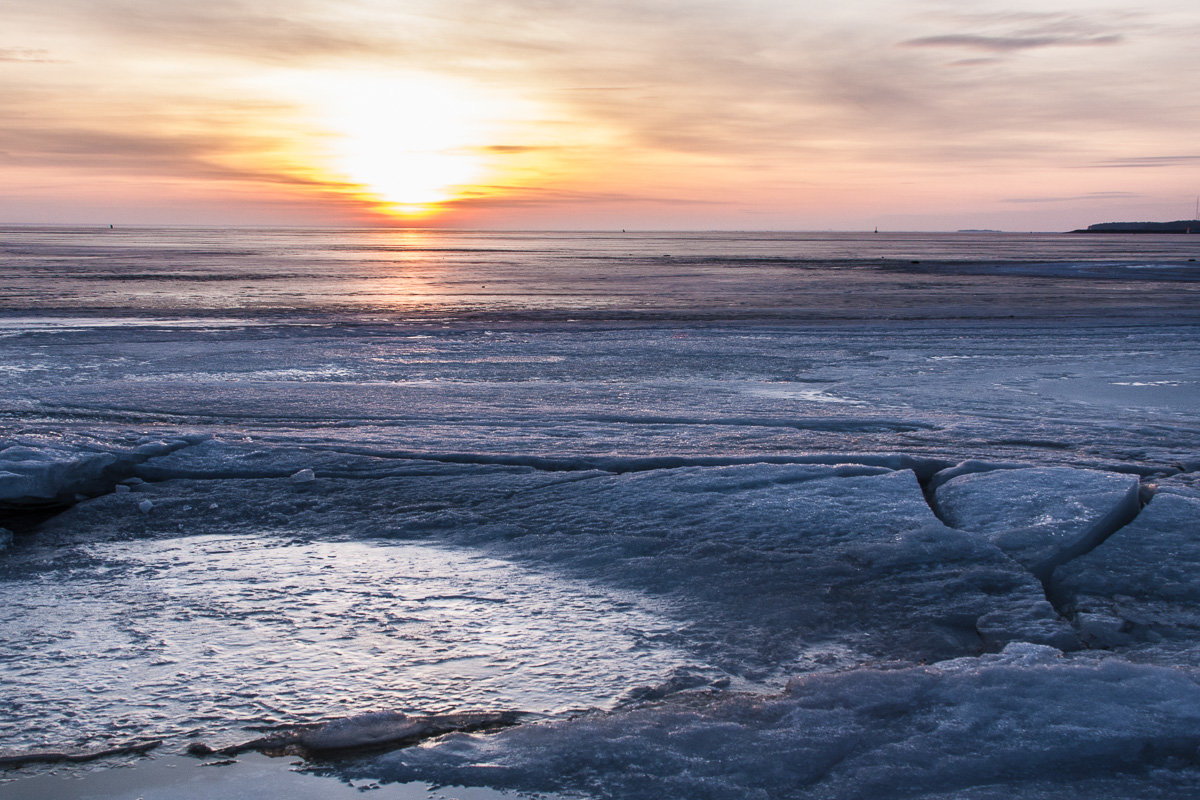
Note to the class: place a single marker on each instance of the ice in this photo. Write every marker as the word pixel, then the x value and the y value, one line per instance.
pixel 240 457
pixel 969 467
pixel 169 634
pixel 1027 718
pixel 157 448
pixel 40 474
pixel 775 559
pixel 388 728
pixel 1034 620
pixel 46 476
pixel 756 570
pixel 1140 585
pixel 634 496
pixel 377 730
pixel 1041 516
pixel 670 390
pixel 1186 484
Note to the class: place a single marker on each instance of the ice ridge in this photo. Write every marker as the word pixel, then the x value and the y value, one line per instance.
pixel 34 475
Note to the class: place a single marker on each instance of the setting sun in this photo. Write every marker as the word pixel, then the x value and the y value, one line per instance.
pixel 410 142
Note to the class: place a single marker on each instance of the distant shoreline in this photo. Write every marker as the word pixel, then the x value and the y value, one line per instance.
pixel 1178 226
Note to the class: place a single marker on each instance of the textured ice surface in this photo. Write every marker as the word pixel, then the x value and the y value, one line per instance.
pixel 212 633
pixel 949 391
pixel 774 559
pixel 31 476
pixel 1040 516
pixel 1027 719
pixel 757 570
pixel 34 474
pixel 1142 584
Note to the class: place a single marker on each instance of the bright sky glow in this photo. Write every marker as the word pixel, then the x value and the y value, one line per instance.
pixel 907 114
pixel 411 141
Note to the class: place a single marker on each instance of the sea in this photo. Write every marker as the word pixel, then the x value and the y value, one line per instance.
pixel 427 513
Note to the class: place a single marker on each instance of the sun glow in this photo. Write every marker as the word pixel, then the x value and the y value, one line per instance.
pixel 410 143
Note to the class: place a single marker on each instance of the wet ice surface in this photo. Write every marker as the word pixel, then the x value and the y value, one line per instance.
pixel 180 777
pixel 717 543
pixel 216 634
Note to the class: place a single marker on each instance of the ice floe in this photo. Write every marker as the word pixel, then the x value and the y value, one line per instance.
pixel 377 730
pixel 1142 584
pixel 779 558
pixel 32 476
pixel 1040 516
pixel 44 475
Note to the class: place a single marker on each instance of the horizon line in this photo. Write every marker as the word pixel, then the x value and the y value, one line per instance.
pixel 454 229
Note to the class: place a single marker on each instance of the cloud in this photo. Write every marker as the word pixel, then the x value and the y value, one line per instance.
pixel 750 81
pixel 1089 197
pixel 27 55
pixel 197 156
pixel 1002 44
pixel 263 31
pixel 532 197
pixel 678 97
pixel 1144 162
pixel 513 149
pixel 975 62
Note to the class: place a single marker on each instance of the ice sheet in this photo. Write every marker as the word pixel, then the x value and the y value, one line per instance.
pixel 1028 720
pixel 637 485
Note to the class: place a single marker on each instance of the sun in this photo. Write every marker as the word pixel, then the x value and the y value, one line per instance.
pixel 411 144
pixel 407 143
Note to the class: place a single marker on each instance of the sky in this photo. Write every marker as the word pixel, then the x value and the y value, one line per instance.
pixel 608 114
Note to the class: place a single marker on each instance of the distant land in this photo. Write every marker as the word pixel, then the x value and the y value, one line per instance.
pixel 1179 226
